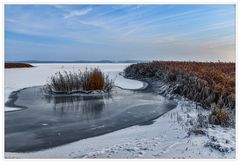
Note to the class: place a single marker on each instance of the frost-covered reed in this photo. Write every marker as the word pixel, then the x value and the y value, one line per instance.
pixel 87 81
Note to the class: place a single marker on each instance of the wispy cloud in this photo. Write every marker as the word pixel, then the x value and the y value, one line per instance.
pixel 77 13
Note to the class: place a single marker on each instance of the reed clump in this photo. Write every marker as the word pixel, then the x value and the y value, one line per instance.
pixel 87 81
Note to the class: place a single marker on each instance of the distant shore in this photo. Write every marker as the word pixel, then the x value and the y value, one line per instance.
pixel 78 61
pixel 18 65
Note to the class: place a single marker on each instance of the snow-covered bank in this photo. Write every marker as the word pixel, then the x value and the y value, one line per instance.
pixel 18 78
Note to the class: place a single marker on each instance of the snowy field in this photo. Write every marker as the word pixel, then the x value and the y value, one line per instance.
pixel 167 137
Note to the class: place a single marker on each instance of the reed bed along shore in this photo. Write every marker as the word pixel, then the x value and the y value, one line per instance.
pixel 211 84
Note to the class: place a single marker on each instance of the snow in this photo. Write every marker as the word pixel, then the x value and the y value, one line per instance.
pixel 18 78
pixel 167 137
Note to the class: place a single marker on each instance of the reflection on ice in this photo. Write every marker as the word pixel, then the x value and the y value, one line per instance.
pixel 90 107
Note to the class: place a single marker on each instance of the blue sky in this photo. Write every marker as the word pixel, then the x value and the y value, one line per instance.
pixel 120 32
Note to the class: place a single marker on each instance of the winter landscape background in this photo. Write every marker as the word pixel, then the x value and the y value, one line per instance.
pixel 173 72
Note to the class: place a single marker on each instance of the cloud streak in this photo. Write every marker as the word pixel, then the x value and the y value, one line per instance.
pixel 77 13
